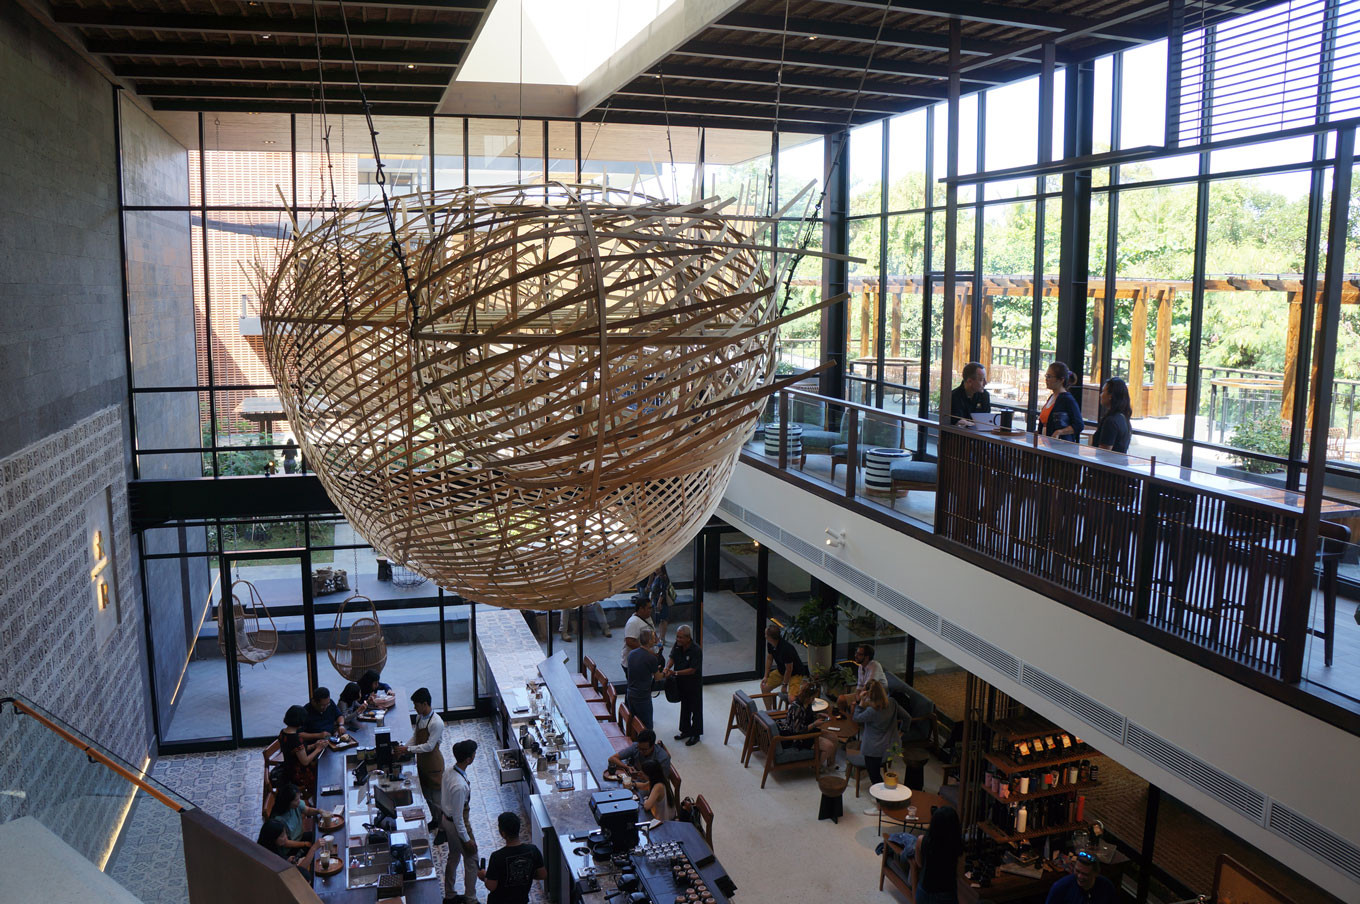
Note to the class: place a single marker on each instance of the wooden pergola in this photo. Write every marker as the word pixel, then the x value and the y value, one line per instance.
pixel 1151 298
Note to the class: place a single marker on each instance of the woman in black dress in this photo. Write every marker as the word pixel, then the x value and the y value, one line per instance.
pixel 1114 432
pixel 299 758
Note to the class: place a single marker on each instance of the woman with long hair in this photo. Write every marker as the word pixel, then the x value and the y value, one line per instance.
pixel 938 859
pixel 1114 431
pixel 1061 415
pixel 877 716
pixel 657 798
pixel 291 810
pixel 299 757
pixel 274 836
pixel 351 705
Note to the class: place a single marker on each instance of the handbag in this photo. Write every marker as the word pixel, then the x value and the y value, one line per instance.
pixel 672 689
pixel 685 812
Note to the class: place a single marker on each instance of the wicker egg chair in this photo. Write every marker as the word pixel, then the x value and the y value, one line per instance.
pixel 254 642
pixel 365 647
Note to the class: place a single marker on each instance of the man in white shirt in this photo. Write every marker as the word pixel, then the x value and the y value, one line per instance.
pixel 870 669
pixel 457 795
pixel 424 744
pixel 639 621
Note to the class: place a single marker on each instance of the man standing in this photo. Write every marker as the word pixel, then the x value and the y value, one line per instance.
pixel 782 666
pixel 969 396
pixel 639 621
pixel 457 806
pixel 1085 886
pixel 686 664
pixel 424 743
pixel 640 669
pixel 510 872
pixel 869 670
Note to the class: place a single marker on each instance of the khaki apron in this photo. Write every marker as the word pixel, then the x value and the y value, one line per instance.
pixel 429 766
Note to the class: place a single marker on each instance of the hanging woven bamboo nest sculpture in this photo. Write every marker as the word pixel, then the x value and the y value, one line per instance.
pixel 553 407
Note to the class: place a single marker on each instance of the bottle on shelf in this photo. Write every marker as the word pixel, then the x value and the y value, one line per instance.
pixel 1022 820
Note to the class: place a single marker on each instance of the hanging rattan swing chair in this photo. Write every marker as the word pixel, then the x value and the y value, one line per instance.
pixel 365 647
pixel 254 642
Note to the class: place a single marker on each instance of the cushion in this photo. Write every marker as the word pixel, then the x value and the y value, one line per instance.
pixel 765 720
pixel 841 449
pixel 783 753
pixel 817 439
pixel 914 471
pixel 745 698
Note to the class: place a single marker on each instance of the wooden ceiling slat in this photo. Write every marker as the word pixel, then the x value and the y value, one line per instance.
pixel 259 25
pixel 867 33
pixel 802 80
pixel 716 50
pixel 448 56
pixel 338 74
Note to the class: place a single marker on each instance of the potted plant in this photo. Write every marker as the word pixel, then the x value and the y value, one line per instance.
pixel 834 680
pixel 890 775
pixel 814 626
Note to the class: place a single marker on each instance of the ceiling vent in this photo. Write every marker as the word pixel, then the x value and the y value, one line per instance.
pixel 852 576
pixel 1324 844
pixel 801 547
pixel 909 607
pixel 1075 702
pixel 1212 781
pixel 989 653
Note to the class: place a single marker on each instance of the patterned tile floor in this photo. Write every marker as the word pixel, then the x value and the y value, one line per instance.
pixel 150 861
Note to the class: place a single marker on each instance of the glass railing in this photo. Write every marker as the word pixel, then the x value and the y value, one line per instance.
pixel 1204 555
pixel 70 807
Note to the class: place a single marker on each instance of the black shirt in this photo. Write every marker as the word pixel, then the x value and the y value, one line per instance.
pixel 1113 431
pixel 1067 891
pixel 689 658
pixel 783 654
pixel 961 407
pixel 512 869
pixel 321 721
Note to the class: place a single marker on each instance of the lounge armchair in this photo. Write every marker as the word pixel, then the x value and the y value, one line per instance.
pixel 779 749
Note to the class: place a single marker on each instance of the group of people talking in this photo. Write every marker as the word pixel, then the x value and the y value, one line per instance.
pixel 1061 416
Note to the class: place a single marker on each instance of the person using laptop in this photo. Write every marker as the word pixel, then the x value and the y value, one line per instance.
pixel 969 397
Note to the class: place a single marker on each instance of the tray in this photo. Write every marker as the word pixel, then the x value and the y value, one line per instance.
pixel 336 865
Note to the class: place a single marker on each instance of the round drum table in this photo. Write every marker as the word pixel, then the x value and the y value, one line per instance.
pixel 794 441
pixel 888 797
pixel 877 469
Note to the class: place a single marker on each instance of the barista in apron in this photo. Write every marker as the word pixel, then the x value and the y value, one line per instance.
pixel 425 744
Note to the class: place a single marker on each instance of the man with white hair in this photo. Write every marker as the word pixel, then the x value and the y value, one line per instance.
pixel 686 664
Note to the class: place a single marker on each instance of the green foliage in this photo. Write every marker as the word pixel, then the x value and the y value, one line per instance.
pixel 814 625
pixel 1265 434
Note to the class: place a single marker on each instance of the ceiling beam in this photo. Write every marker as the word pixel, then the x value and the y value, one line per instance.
pixel 288 92
pixel 762 112
pixel 848 31
pixel 802 80
pixel 448 6
pixel 747 53
pixel 77 17
pixel 686 121
pixel 284 106
pixel 650 87
pixel 338 75
pixel 972 11
pixel 264 51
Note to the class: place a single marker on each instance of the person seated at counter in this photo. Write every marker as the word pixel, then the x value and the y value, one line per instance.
pixel 655 792
pixel 510 873
pixel 274 836
pixel 645 749
pixel 868 669
pixel 969 397
pixel 376 693
pixel 323 717
pixel 351 705
pixel 1061 415
pixel 939 859
pixel 299 757
pixel 1114 431
pixel 291 810
pixel 1084 886
pixel 641 671
pixel 784 668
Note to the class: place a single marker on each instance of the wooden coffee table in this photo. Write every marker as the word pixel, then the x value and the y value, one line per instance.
pixel 841 729
pixel 923 801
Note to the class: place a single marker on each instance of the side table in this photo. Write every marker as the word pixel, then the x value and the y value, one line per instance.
pixel 886 796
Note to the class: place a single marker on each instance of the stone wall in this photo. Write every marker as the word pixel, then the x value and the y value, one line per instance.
pixel 53 653
pixel 64 441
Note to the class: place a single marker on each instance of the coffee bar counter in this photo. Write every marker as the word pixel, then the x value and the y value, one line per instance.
pixel 357 867
pixel 554 750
